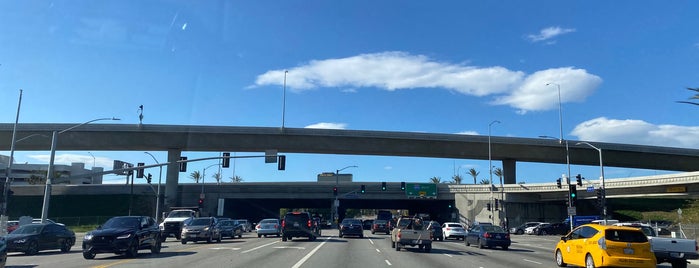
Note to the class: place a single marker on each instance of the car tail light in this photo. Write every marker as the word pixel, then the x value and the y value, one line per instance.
pixel 258 226
pixel 309 223
pixel 486 235
pixel 696 247
pixel 283 224
pixel 448 229
pixel 276 226
pixel 507 236
pixel 398 235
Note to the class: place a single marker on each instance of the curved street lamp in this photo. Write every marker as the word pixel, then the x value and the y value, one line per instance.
pixel 490 166
pixel 49 171
pixel 157 197
pixel 603 202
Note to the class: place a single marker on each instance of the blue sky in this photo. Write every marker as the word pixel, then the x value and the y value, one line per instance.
pixel 444 67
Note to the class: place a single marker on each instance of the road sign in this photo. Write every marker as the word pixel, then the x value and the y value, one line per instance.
pixel 424 190
pixel 572 211
pixel 590 189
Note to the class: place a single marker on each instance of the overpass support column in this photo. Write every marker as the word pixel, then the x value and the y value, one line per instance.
pixel 173 176
pixel 509 170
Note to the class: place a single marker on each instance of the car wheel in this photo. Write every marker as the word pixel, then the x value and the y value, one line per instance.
pixel 65 246
pixel 505 247
pixel 480 244
pixel 397 246
pixel 393 244
pixel 467 243
pixel 387 233
pixel 218 240
pixel 209 239
pixel 283 238
pixel 361 236
pixel 259 235
pixel 240 236
pixel 559 259
pixel 132 251
pixel 519 232
pixel 679 264
pixel 421 247
pixel 155 248
pixel 184 241
pixel 444 236
pixel 544 233
pixel 589 262
pixel 428 248
pixel 32 249
pixel 178 236
pixel 372 232
pixel 89 255
pixel 162 238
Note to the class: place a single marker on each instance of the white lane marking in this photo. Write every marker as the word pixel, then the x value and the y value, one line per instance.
pixel 308 256
pixel 290 247
pixel 227 248
pixel 388 262
pixel 447 255
pixel 259 247
pixel 371 241
pixel 532 261
pixel 377 250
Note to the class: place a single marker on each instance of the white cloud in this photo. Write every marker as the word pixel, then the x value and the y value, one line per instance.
pixel 398 70
pixel 631 131
pixel 325 125
pixel 548 33
pixel 468 132
pixel 388 168
pixel 533 94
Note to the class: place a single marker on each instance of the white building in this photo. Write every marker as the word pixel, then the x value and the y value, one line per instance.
pixel 24 174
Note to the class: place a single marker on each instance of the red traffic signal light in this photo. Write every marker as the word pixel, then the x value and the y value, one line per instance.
pixel 201 202
pixel 335 191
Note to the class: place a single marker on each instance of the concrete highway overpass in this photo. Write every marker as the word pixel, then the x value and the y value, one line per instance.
pixel 178 138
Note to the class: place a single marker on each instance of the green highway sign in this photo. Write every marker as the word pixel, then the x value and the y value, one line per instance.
pixel 422 190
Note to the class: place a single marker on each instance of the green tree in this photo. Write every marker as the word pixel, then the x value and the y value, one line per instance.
pixel 474 173
pixel 485 181
pixel 456 179
pixel 236 178
pixel 217 177
pixel 498 172
pixel 195 175
pixel 695 97
pixel 435 179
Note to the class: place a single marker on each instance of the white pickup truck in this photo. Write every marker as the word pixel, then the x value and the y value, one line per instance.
pixel 411 232
pixel 676 251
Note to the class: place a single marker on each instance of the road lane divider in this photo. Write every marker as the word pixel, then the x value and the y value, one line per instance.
pixel 256 248
pixel 308 256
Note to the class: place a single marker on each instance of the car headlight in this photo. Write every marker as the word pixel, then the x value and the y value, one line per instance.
pixel 124 236
pixel 206 228
pixel 88 236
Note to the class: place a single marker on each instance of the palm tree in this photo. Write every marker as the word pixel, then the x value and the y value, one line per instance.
pixel 485 181
pixel 456 179
pixel 435 179
pixel 498 172
pixel 236 179
pixel 695 97
pixel 217 177
pixel 195 175
pixel 474 173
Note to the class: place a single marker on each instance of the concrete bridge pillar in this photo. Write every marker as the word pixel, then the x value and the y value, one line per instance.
pixel 509 170
pixel 173 177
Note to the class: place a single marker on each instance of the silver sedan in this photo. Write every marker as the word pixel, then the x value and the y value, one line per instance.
pixel 268 227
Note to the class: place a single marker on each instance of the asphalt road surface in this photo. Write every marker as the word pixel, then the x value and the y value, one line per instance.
pixel 326 251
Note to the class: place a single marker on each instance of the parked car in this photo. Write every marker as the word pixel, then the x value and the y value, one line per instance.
pixel 3 251
pixel 598 245
pixel 352 227
pixel 488 236
pixel 557 228
pixel 520 229
pixel 34 237
pixel 453 230
pixel 268 227
pixel 123 235
pixel 436 230
pixel 247 226
pixel 380 226
pixel 366 224
pixel 203 228
pixel 230 228
pixel 530 230
pixel 299 224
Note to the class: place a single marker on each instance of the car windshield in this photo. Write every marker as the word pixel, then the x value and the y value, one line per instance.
pixel 267 221
pixel 125 222
pixel 28 229
pixel 179 214
pixel 380 222
pixel 200 222
pixel 351 221
pixel 492 228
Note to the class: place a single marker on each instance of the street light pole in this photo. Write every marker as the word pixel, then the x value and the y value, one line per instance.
pixel 8 170
pixel 49 171
pixel 284 100
pixel 337 175
pixel 490 166
pixel 603 202
pixel 560 140
pixel 204 176
pixel 157 198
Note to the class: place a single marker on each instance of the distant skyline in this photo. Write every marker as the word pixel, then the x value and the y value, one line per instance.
pixel 446 67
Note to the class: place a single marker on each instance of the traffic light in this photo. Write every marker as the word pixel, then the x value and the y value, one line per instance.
pixel 579 179
pixel 149 178
pixel 558 183
pixel 487 206
pixel 600 196
pixel 139 172
pixel 496 204
pixel 573 191
pixel 183 165
pixel 226 161
pixel 281 162
pixel 363 189
pixel 402 186
pixel 449 205
pixel 335 191
pixel 383 186
pixel 201 202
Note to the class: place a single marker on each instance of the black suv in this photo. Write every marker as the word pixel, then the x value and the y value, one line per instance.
pixel 123 235
pixel 299 224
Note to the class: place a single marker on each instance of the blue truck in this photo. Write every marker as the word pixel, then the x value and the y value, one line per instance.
pixel 580 220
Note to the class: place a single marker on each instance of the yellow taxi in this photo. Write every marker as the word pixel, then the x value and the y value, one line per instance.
pixel 594 245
